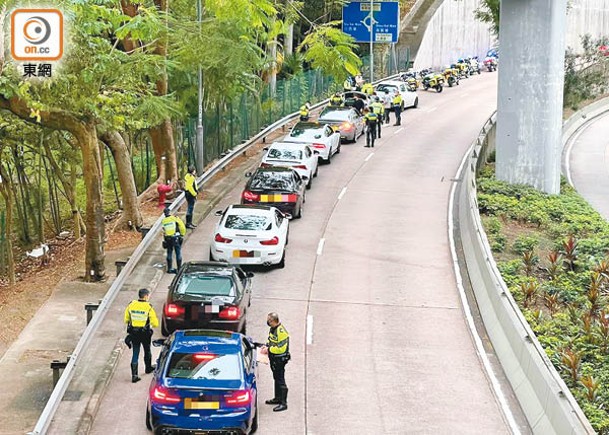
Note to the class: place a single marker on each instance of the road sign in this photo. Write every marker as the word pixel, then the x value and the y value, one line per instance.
pixel 385 21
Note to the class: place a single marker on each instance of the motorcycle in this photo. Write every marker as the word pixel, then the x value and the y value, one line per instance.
pixel 411 81
pixel 491 64
pixel 463 69
pixel 474 67
pixel 451 76
pixel 433 80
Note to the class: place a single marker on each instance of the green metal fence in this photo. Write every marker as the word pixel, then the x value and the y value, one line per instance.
pixel 229 124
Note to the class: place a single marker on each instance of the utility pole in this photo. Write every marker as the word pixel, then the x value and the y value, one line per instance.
pixel 200 154
pixel 371 41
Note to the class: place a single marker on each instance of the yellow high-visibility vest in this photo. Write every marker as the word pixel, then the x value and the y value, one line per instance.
pixel 279 340
pixel 140 314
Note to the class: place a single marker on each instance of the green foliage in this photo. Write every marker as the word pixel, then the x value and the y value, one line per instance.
pixel 331 50
pixel 488 12
pixel 562 297
pixel 586 73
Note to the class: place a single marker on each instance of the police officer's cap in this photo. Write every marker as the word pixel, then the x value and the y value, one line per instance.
pixel 143 292
pixel 167 211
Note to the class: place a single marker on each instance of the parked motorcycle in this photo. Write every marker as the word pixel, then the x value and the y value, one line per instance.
pixel 451 76
pixel 490 63
pixel 463 68
pixel 411 81
pixel 474 66
pixel 433 80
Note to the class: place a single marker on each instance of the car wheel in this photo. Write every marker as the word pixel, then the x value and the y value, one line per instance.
pixel 310 183
pixel 281 264
pixel 148 422
pixel 316 171
pixel 254 426
pixel 211 255
pixel 164 329
pixel 338 149
pixel 299 215
pixel 416 102
pixel 329 159
pixel 244 329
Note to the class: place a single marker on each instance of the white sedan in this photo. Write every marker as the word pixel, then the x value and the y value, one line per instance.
pixel 298 156
pixel 250 235
pixel 320 137
pixel 409 98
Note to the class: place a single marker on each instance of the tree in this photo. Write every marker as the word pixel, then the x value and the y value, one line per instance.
pixel 488 12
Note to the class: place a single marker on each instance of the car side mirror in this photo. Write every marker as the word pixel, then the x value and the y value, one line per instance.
pixel 159 342
pixel 316 152
pixel 265 148
pixel 249 274
pixel 248 174
pixel 304 178
pixel 218 213
pixel 288 216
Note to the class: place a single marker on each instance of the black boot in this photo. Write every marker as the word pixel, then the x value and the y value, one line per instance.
pixel 134 376
pixel 189 224
pixel 149 366
pixel 284 400
pixel 276 400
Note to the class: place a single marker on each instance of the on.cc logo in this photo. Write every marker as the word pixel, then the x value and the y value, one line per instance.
pixel 37 35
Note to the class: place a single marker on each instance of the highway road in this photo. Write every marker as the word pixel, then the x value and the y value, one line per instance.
pixel 379 341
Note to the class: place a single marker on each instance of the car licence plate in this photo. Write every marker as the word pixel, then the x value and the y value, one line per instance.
pixel 245 254
pixel 195 404
pixel 279 198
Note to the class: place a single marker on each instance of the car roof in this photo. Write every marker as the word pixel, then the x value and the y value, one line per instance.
pixel 308 125
pixel 391 83
pixel 192 340
pixel 249 210
pixel 215 267
pixel 290 145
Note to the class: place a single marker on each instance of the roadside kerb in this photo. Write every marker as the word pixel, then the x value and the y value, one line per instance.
pixel 549 406
pixel 575 125
pixel 52 404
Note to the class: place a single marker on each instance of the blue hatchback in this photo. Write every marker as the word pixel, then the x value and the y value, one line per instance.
pixel 205 383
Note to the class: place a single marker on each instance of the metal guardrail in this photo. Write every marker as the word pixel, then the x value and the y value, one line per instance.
pixel 44 421
pixel 546 401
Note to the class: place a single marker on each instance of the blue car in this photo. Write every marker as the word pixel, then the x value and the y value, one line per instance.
pixel 204 383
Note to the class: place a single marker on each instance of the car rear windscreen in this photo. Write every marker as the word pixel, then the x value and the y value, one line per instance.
pixel 205 285
pixel 307 133
pixel 209 366
pixel 267 180
pixel 339 115
pixel 249 222
pixel 285 154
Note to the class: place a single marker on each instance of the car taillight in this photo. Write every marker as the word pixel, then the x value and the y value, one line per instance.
pixel 204 356
pixel 273 241
pixel 238 398
pixel 300 167
pixel 319 146
pixel 163 395
pixel 265 165
pixel 173 310
pixel 250 196
pixel 230 313
pixel 221 239
pixel 346 125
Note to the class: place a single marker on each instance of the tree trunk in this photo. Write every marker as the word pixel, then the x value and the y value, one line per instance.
pixel 122 158
pixel 6 191
pixel 92 170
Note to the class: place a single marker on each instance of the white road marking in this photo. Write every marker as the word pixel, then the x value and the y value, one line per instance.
pixel 342 193
pixel 309 329
pixel 569 147
pixel 320 247
pixel 398 130
pixel 467 310
pixel 369 157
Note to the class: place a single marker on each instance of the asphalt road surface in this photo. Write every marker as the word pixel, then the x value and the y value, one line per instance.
pixel 379 342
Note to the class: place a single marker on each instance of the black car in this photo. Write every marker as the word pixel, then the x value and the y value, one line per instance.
pixel 206 294
pixel 276 186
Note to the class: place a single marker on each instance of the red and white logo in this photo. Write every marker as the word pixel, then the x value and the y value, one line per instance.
pixel 37 35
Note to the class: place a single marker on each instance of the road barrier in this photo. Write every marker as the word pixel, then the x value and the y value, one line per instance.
pixel 546 401
pixel 148 237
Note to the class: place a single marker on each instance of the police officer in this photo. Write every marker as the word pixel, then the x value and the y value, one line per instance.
pixel 191 191
pixel 397 107
pixel 336 100
pixel 367 88
pixel 379 110
pixel 173 235
pixel 305 110
pixel 348 84
pixel 278 348
pixel 371 120
pixel 140 318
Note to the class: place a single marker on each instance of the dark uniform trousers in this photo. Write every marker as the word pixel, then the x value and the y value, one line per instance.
pixel 278 363
pixel 141 337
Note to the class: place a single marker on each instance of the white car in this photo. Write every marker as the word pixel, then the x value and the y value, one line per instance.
pixel 250 235
pixel 298 156
pixel 409 98
pixel 320 137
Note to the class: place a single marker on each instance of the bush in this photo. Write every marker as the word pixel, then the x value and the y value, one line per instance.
pixel 524 244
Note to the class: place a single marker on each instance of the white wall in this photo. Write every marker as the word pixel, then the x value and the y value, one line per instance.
pixel 453 31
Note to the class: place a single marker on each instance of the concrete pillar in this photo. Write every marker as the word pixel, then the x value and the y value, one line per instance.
pixel 531 77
